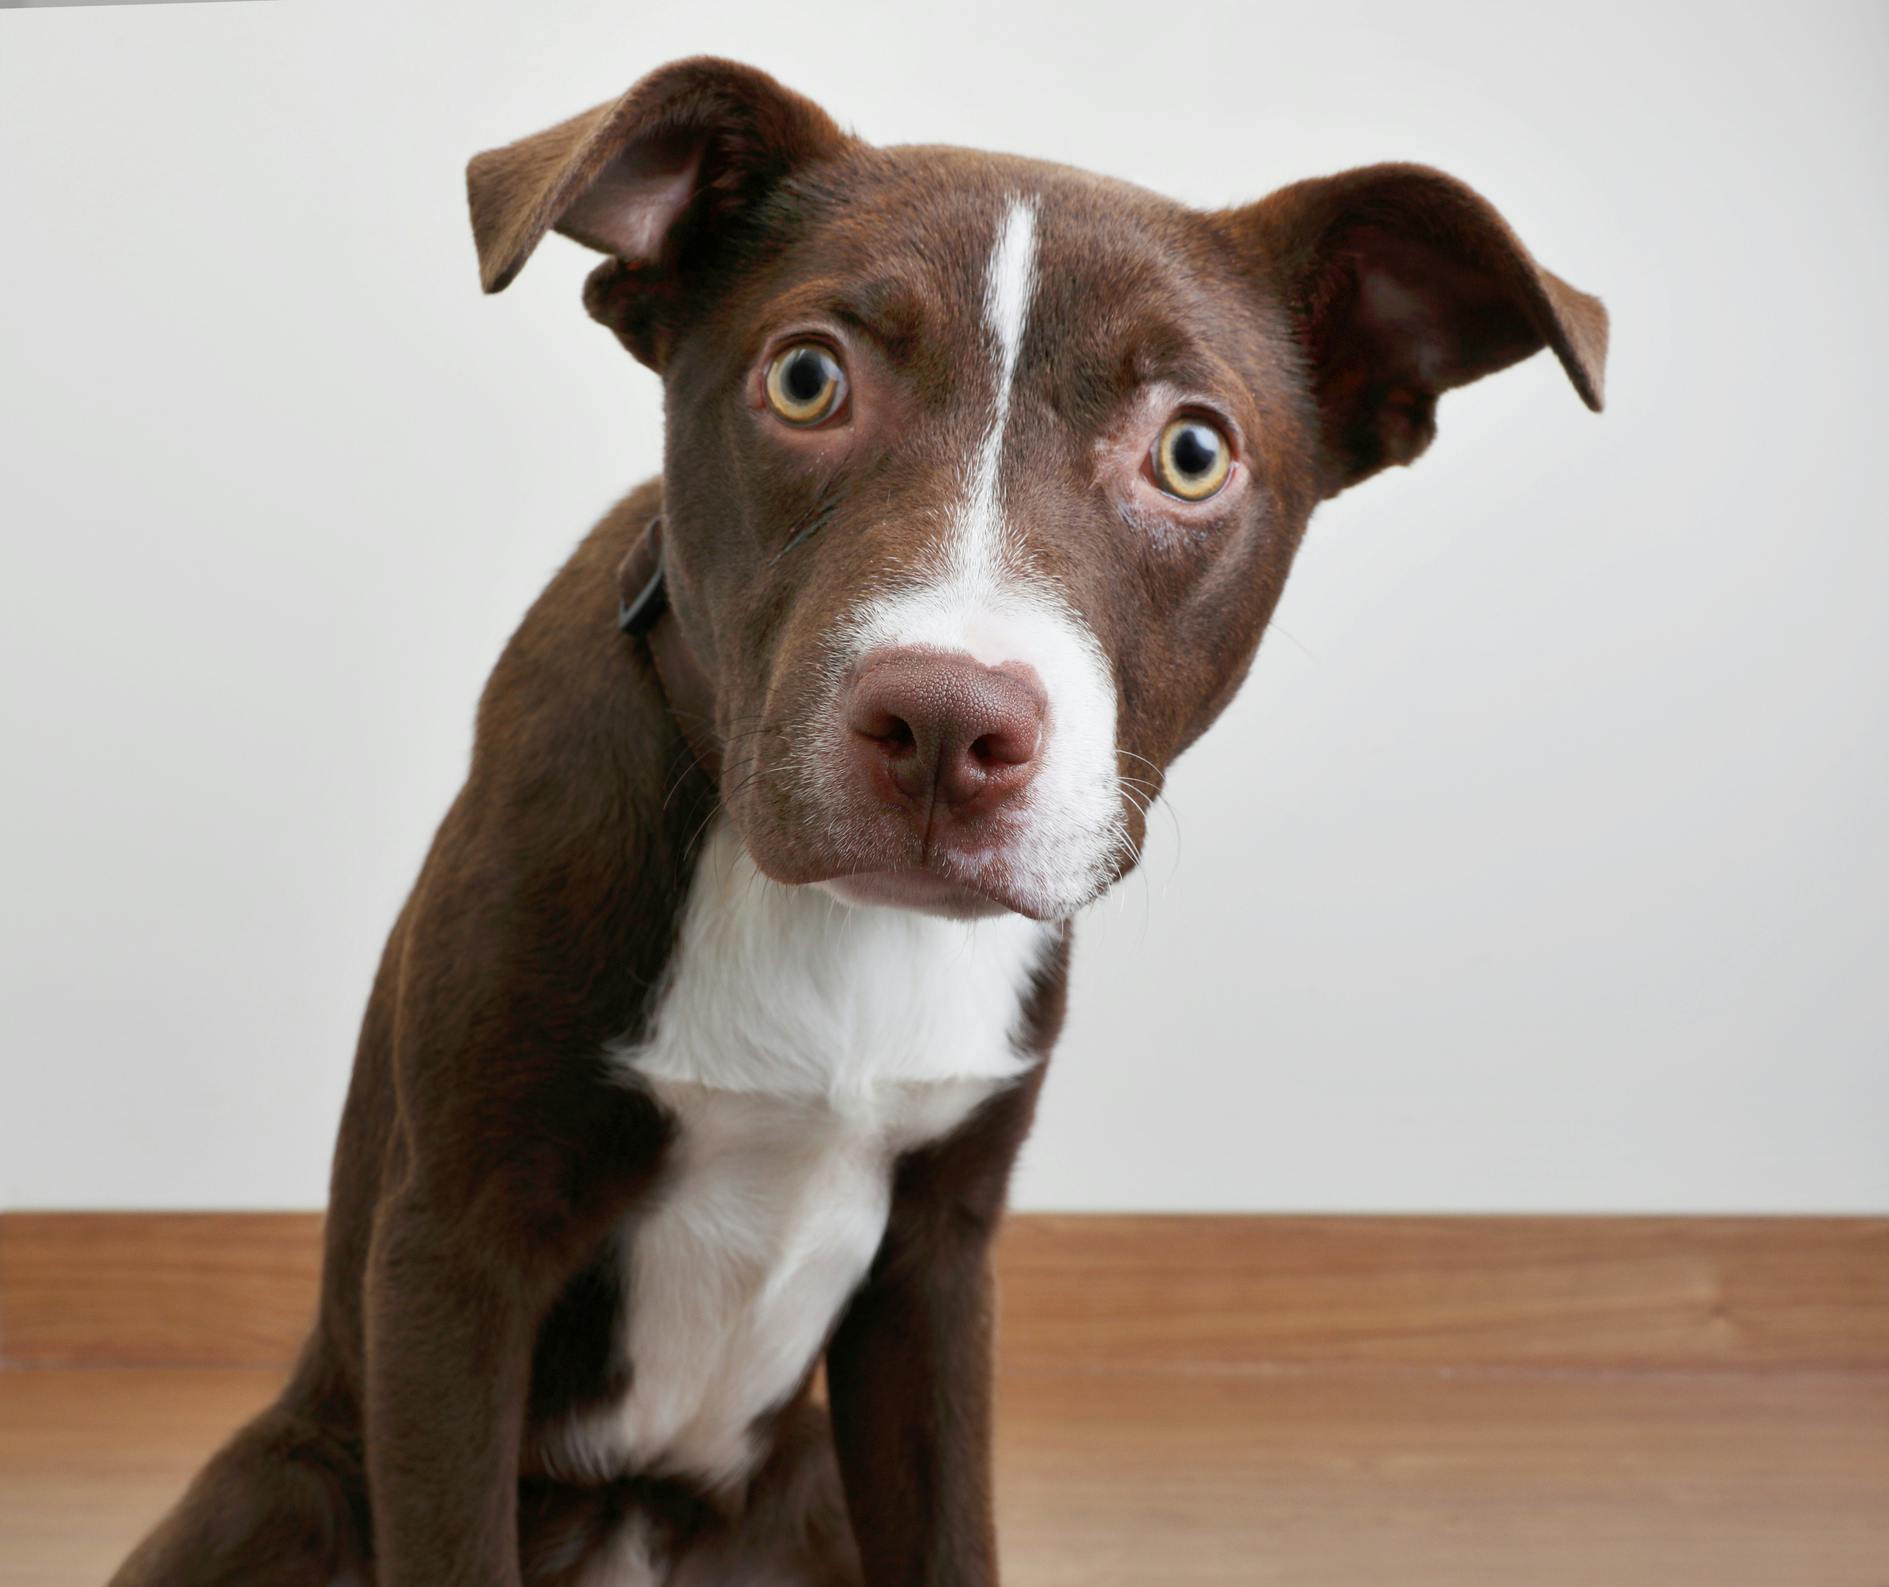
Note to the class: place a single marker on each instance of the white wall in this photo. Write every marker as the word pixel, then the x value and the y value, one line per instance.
pixel 1541 865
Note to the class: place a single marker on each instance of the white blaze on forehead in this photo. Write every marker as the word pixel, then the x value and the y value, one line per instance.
pixel 1009 284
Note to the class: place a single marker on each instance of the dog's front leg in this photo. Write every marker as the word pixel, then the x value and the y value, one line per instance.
pixel 909 1368
pixel 513 1154
pixel 448 1356
pixel 909 1378
pixel 468 1256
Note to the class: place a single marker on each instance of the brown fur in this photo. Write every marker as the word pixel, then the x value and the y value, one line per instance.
pixel 484 1157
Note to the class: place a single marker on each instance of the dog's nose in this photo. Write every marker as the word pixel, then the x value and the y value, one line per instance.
pixel 940 728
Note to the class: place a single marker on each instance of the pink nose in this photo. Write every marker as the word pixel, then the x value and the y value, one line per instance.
pixel 936 728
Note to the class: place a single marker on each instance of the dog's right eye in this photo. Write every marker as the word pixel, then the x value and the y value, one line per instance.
pixel 805 384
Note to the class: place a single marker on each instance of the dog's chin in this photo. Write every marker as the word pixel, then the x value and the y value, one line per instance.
pixel 921 890
pixel 949 891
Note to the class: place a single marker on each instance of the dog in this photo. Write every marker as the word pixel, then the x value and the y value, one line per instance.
pixel 700 1054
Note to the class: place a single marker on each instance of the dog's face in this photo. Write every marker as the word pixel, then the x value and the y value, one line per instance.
pixel 980 485
pixel 983 476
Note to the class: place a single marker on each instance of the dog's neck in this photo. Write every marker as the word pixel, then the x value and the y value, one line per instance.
pixel 787 990
pixel 644 612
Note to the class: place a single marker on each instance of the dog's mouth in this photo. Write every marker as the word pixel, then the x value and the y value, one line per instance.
pixel 956 882
pixel 875 863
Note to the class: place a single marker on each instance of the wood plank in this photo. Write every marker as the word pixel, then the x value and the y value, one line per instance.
pixel 1109 1291
pixel 1337 1478
pixel 1570 1292
pixel 1123 1479
pixel 173 1289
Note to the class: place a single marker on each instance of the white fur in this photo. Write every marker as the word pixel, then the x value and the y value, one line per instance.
pixel 983 598
pixel 801 1045
pixel 1009 285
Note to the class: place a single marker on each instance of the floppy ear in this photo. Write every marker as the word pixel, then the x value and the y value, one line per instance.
pixel 650 178
pixel 1402 284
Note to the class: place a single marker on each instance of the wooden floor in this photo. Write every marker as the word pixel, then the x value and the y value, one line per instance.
pixel 1312 1478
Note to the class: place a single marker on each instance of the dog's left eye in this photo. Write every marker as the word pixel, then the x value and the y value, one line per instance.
pixel 805 384
pixel 1192 458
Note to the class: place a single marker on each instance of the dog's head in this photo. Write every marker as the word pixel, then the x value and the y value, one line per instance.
pixel 983 475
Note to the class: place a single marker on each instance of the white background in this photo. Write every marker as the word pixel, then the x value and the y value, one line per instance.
pixel 1542 865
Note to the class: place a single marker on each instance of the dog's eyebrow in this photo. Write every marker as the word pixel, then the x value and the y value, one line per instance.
pixel 1163 351
pixel 889 310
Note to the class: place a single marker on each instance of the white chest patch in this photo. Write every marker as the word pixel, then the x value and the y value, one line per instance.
pixel 801 1046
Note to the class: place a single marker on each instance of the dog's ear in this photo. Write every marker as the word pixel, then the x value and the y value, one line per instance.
pixel 648 178
pixel 1402 283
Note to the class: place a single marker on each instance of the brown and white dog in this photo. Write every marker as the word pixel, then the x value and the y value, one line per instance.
pixel 702 1050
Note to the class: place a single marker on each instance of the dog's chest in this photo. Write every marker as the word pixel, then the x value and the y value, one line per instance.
pixel 801 1046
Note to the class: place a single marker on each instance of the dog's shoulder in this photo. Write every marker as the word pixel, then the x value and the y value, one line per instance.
pixel 567 674
pixel 555 880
